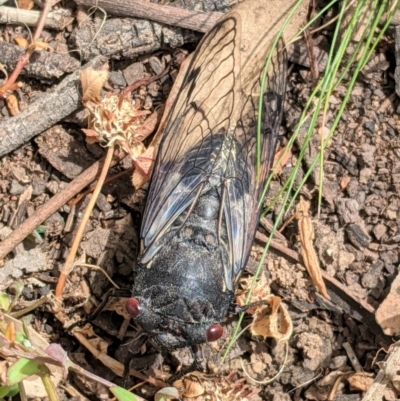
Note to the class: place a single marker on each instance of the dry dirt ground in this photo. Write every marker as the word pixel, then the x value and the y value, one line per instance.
pixel 357 237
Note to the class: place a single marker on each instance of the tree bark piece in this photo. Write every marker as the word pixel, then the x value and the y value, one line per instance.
pixel 42 64
pixel 194 20
pixel 58 19
pixel 42 114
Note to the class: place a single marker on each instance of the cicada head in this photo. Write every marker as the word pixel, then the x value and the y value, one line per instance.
pixel 172 320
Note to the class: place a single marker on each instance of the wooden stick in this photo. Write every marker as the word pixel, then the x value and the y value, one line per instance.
pixel 195 20
pixel 58 19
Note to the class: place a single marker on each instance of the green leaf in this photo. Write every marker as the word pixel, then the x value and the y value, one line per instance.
pixel 4 301
pixel 22 339
pixel 166 394
pixel 124 395
pixel 22 369
pixel 8 391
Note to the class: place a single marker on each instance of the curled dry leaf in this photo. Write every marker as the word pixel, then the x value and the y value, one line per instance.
pixel 360 381
pixel 306 235
pixel 189 386
pixel 92 82
pixel 272 321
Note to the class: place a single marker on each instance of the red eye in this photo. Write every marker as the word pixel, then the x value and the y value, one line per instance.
pixel 214 332
pixel 133 307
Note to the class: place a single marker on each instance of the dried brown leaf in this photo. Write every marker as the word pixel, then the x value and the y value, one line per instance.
pixel 344 182
pixel 91 135
pixel 277 168
pixel 306 235
pixel 143 167
pixel 193 388
pixel 272 321
pixel 92 82
pixel 21 42
pixel 25 4
pixel 360 381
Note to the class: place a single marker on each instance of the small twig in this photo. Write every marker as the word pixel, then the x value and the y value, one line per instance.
pixel 68 266
pixel 10 84
pixel 39 27
pixel 148 379
pixel 58 19
pixel 352 356
pixel 195 20
pixel 22 312
pixel 45 211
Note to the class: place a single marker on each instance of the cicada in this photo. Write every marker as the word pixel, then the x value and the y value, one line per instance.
pixel 203 203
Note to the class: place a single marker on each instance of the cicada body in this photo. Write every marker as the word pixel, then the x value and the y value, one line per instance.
pixel 203 203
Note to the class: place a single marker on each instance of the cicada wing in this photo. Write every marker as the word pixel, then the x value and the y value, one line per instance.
pixel 189 148
pixel 212 125
pixel 273 102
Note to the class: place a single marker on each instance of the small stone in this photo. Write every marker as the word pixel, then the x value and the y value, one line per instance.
pixel 357 236
pixel 338 362
pixel 54 224
pixel 352 188
pixel 369 280
pixel 350 277
pixel 133 73
pixel 365 175
pixel 102 203
pixel 370 126
pixel 345 259
pixel 52 187
pixel 366 157
pixel 156 65
pixel 38 185
pixel 347 209
pixel 379 230
pixel 116 78
pixel 16 188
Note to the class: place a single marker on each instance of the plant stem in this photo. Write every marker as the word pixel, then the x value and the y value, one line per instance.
pixel 79 234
